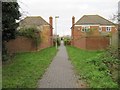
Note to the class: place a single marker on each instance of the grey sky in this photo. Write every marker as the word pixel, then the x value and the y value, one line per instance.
pixel 65 9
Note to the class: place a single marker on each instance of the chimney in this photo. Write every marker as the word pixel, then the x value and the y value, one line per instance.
pixel 72 30
pixel 73 20
pixel 51 29
pixel 51 21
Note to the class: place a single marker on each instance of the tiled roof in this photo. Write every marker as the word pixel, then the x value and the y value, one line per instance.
pixel 93 19
pixel 33 20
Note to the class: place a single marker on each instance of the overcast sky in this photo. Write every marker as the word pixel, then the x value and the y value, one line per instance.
pixel 65 9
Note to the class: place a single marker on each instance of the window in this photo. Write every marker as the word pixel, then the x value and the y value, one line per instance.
pixel 108 29
pixel 85 29
pixel 100 29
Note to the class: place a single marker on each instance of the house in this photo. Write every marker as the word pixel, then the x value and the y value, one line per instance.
pixel 22 44
pixel 92 32
pixel 45 28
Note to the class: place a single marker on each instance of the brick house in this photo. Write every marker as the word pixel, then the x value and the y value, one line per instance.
pixel 22 44
pixel 92 32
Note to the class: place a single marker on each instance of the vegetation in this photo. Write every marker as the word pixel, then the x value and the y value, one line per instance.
pixel 111 59
pixel 89 32
pixel 67 41
pixel 94 67
pixel 25 69
pixel 10 13
pixel 58 41
pixel 31 32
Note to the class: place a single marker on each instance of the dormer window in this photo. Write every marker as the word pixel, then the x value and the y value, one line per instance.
pixel 108 29
pixel 85 29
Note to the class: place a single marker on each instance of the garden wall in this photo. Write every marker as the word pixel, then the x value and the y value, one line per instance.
pixel 97 43
pixel 92 42
pixel 23 44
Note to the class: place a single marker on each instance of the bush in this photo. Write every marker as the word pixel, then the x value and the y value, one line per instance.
pixel 67 41
pixel 5 55
pixel 92 67
pixel 58 41
pixel 110 59
pixel 31 32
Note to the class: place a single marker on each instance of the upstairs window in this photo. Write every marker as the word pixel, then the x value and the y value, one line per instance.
pixel 108 29
pixel 85 29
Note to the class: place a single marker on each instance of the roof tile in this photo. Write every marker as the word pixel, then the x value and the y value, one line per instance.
pixel 93 19
pixel 33 20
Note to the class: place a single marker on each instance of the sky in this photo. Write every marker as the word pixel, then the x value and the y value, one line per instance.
pixel 65 9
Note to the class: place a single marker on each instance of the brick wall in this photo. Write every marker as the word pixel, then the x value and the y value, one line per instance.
pixel 97 43
pixel 80 43
pixel 46 38
pixel 92 41
pixel 20 44
pixel 23 44
pixel 77 31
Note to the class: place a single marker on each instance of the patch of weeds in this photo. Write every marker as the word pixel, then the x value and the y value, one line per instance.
pixel 92 66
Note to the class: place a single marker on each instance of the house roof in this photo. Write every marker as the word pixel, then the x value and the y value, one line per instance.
pixel 93 19
pixel 33 20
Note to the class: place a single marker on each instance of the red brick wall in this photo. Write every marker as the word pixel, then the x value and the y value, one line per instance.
pixel 80 43
pixel 77 31
pixel 97 43
pixel 20 44
pixel 46 38
pixel 51 30
pixel 23 44
pixel 92 43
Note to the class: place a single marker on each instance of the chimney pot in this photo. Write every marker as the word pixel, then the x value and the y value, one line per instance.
pixel 51 25
pixel 73 20
pixel 51 20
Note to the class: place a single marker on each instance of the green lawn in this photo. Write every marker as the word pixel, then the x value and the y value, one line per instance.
pixel 89 66
pixel 26 69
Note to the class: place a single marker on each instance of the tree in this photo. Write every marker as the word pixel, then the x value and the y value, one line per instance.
pixel 114 18
pixel 10 13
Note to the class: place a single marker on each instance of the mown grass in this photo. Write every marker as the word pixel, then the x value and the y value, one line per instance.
pixel 90 67
pixel 26 68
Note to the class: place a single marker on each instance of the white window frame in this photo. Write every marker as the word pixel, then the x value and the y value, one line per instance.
pixel 108 29
pixel 84 28
pixel 100 29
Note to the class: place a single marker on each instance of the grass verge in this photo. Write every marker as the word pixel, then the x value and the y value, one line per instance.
pixel 26 68
pixel 90 67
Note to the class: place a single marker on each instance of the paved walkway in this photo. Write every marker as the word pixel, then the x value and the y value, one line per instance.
pixel 60 73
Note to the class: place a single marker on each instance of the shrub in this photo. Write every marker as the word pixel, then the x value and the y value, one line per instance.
pixel 92 67
pixel 58 41
pixel 67 41
pixel 5 55
pixel 31 32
